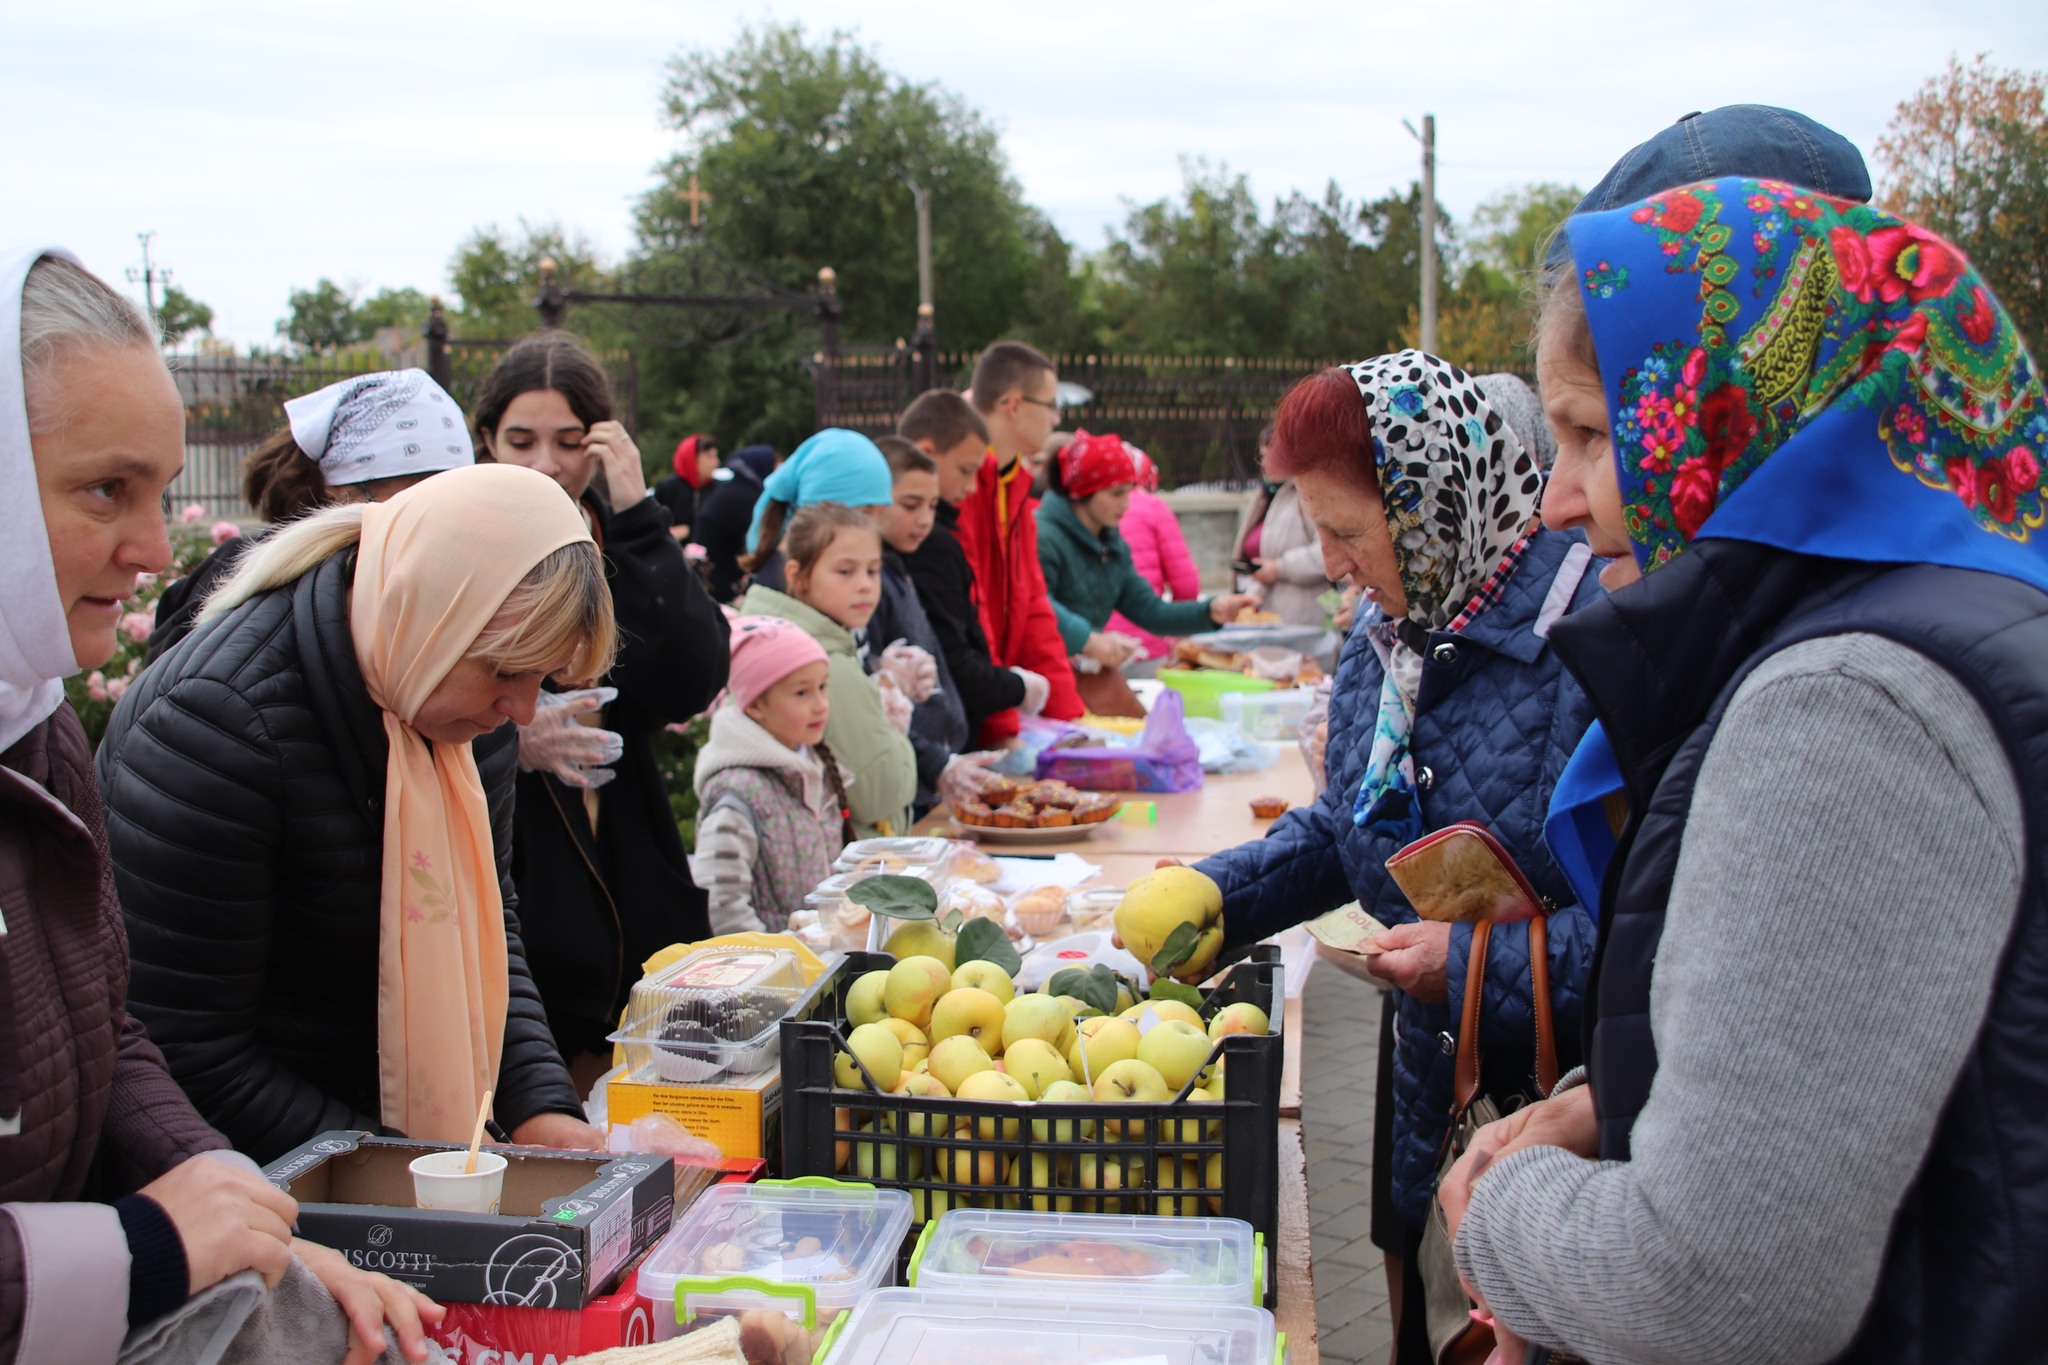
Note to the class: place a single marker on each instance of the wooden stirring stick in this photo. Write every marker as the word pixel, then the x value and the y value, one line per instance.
pixel 476 1139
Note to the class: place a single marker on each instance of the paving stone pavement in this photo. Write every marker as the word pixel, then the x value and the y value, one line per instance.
pixel 1339 1052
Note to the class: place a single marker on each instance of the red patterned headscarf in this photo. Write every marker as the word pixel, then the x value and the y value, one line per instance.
pixel 686 462
pixel 1089 464
pixel 1148 472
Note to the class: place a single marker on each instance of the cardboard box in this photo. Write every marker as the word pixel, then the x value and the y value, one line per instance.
pixel 487 1334
pixel 568 1222
pixel 743 1116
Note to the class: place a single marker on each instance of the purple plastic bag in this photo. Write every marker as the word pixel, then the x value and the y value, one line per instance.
pixel 1164 758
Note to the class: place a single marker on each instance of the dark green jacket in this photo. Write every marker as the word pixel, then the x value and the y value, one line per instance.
pixel 1089 576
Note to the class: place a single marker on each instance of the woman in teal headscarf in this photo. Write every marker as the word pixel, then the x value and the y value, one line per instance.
pixel 836 465
pixel 1814 1123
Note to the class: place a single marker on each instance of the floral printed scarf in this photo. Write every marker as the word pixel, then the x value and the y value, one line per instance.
pixel 1815 374
pixel 1460 492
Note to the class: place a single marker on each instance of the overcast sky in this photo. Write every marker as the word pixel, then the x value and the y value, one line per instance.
pixel 268 144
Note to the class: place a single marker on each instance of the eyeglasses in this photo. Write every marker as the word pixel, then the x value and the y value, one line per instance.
pixel 1052 403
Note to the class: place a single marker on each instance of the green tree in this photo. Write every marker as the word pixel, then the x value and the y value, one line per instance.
pixel 807 149
pixel 496 276
pixel 1967 155
pixel 1485 324
pixel 1208 274
pixel 180 315
pixel 392 308
pixel 322 318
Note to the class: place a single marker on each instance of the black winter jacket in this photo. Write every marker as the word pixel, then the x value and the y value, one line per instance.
pixel 598 903
pixel 945 586
pixel 177 610
pixel 725 513
pixel 244 781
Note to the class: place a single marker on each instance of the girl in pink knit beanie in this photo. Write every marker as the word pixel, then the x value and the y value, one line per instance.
pixel 772 808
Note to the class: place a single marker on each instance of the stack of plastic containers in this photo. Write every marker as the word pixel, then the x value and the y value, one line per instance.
pixel 803 1250
pixel 1053 1288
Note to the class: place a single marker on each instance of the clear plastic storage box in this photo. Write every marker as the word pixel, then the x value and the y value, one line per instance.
pixel 1208 1260
pixel 944 1327
pixel 717 1010
pixel 1275 717
pixel 805 1249
pixel 899 855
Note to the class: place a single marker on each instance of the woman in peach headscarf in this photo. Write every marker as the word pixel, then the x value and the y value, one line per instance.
pixel 309 808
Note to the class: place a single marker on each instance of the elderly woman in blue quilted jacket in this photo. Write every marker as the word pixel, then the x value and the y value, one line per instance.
pixel 1448 705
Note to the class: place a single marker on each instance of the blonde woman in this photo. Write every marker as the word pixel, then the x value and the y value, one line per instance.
pixel 310 804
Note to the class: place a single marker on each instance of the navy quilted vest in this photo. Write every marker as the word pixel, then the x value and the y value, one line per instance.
pixel 1969 1251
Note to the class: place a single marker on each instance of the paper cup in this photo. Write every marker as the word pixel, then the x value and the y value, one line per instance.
pixel 438 1181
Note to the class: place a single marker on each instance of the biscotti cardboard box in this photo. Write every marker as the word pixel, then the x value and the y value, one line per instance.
pixel 567 1224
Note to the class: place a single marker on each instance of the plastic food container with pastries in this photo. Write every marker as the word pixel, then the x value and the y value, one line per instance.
pixel 716 1012
pixel 947 1327
pixel 807 1249
pixel 1094 908
pixel 895 855
pixel 1208 1260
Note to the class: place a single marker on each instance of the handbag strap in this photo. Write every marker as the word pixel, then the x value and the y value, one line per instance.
pixel 1466 1077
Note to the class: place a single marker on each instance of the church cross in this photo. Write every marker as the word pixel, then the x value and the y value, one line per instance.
pixel 695 198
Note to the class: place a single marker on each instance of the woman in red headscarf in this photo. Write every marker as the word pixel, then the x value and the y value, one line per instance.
pixel 1089 575
pixel 696 462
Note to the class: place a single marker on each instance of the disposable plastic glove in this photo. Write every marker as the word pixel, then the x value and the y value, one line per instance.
pixel 967 775
pixel 1037 691
pixel 896 707
pixel 913 668
pixel 557 742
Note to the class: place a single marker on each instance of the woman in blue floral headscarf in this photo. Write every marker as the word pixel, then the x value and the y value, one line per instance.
pixel 1815 1124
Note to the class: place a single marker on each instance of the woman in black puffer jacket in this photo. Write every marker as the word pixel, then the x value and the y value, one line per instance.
pixel 254 779
pixel 597 856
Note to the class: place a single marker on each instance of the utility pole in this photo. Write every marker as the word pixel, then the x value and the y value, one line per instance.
pixel 1427 137
pixel 925 344
pixel 148 276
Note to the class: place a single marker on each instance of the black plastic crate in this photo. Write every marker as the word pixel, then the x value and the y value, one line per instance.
pixel 939 1167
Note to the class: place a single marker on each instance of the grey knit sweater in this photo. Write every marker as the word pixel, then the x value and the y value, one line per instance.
pixel 1850 873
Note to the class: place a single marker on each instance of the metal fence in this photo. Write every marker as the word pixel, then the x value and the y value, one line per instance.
pixel 1198 417
pixel 233 403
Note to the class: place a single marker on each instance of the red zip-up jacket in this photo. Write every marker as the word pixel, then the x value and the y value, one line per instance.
pixel 1000 537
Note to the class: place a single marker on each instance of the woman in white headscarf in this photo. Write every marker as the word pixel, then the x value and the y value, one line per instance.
pixel 109 1218
pixel 364 439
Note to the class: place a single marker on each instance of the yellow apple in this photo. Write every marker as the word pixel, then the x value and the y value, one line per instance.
pixel 1099 1044
pixel 922 938
pixel 967 1165
pixel 994 1085
pixel 1064 1130
pixel 914 986
pixel 1046 1179
pixel 919 1123
pixel 879 1160
pixel 1104 1172
pixel 926 1205
pixel 1175 1049
pixel 954 1059
pixel 969 1011
pixel 1242 1017
pixel 1036 1016
pixel 1130 1082
pixel 1212 1178
pixel 1174 1010
pixel 864 999
pixel 1077 1008
pixel 842 1148
pixel 879 1052
pixel 916 1047
pixel 1160 902
pixel 1173 1173
pixel 986 976
pixel 1036 1064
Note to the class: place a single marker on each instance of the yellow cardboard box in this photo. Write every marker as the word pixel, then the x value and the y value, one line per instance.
pixel 743 1117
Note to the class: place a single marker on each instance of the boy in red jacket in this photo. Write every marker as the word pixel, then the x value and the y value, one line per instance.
pixel 1015 392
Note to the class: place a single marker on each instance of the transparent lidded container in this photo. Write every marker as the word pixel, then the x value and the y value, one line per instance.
pixel 1207 1260
pixel 715 1011
pixel 949 1327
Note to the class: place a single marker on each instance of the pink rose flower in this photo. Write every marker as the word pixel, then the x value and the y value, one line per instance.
pixel 116 687
pixel 136 625
pixel 224 531
pixel 96 685
pixel 192 513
